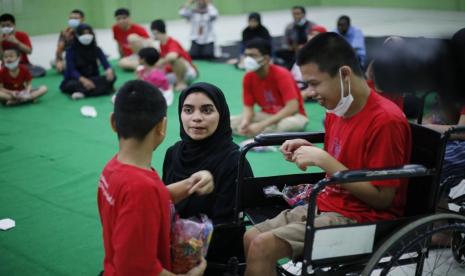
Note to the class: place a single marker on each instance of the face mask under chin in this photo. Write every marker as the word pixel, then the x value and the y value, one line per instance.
pixel 345 102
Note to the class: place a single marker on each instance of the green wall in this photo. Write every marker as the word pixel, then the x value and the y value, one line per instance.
pixel 50 16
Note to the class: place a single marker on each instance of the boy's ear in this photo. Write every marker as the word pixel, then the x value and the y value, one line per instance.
pixel 112 121
pixel 160 128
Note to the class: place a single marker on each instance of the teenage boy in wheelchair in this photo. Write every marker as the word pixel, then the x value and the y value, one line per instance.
pixel 362 130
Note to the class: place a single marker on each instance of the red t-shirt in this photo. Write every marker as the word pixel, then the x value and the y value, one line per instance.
pixel 134 207
pixel 172 45
pixel 376 137
pixel 23 38
pixel 273 92
pixel 15 83
pixel 395 98
pixel 462 112
pixel 121 36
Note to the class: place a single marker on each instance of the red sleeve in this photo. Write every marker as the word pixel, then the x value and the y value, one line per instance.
pixel 115 32
pixel 287 86
pixel 388 146
pixel 24 38
pixel 135 237
pixel 247 95
pixel 141 31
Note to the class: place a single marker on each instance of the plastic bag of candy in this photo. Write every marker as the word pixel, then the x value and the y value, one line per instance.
pixel 189 242
pixel 297 195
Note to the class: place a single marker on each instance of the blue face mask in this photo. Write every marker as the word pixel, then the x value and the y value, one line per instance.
pixel 73 23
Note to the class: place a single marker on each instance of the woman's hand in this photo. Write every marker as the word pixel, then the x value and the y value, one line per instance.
pixel 199 269
pixel 109 75
pixel 201 183
pixel 88 84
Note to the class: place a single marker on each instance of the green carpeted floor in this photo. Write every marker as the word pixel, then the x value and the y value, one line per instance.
pixel 50 160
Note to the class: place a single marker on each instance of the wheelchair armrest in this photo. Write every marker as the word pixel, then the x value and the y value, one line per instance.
pixel 268 139
pixel 456 130
pixel 410 170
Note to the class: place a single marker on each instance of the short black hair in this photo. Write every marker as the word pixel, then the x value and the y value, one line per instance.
pixel 329 51
pixel 262 45
pixel 7 17
pixel 139 107
pixel 301 8
pixel 80 12
pixel 149 54
pixel 13 48
pixel 122 11
pixel 158 25
pixel 344 17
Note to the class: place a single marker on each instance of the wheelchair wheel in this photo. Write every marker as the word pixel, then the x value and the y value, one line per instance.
pixel 433 245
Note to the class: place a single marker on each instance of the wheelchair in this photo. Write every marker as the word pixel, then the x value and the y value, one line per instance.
pixel 403 246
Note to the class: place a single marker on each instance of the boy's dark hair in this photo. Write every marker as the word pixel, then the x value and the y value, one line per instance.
pixel 139 107
pixel 80 12
pixel 122 11
pixel 158 25
pixel 330 52
pixel 344 17
pixel 262 45
pixel 301 8
pixel 149 54
pixel 13 48
pixel 7 17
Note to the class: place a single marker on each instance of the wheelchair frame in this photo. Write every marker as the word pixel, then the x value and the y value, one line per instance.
pixel 428 148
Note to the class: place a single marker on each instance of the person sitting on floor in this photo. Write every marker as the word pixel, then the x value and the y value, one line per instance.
pixel 82 77
pixel 354 36
pixel 65 39
pixel 16 80
pixel 147 71
pixel 10 37
pixel 176 62
pixel 207 144
pixel 130 37
pixel 362 130
pixel 273 89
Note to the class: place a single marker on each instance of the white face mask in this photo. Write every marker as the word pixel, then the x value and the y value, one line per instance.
pixel 344 103
pixel 73 23
pixel 302 22
pixel 7 30
pixel 12 65
pixel 86 39
pixel 251 64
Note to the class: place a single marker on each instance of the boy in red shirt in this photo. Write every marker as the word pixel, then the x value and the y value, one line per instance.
pixel 130 37
pixel 16 80
pixel 362 130
pixel 12 38
pixel 134 204
pixel 176 62
pixel 273 89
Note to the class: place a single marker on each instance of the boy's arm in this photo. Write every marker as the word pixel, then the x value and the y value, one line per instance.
pixel 375 196
pixel 8 91
pixel 291 108
pixel 200 182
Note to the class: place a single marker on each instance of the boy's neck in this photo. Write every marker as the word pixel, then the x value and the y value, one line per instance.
pixel 14 72
pixel 360 92
pixel 136 153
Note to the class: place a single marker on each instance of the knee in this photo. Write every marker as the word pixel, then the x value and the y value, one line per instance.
pixel 259 247
pixel 134 38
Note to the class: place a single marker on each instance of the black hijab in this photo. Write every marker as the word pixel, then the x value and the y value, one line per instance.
pixel 85 56
pixel 259 31
pixel 216 153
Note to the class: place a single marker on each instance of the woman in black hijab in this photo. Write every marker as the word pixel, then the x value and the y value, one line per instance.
pixel 81 77
pixel 206 144
pixel 254 29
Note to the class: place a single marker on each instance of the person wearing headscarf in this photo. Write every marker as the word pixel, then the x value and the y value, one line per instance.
pixel 206 144
pixel 254 29
pixel 82 77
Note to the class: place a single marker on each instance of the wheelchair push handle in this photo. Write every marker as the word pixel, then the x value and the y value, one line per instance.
pixel 270 139
pixel 410 170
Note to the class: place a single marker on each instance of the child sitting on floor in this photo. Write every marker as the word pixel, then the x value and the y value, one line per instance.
pixel 147 71
pixel 16 80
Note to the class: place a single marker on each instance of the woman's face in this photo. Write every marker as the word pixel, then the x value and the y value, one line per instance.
pixel 199 116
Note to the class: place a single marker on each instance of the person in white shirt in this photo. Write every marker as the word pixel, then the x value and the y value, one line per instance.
pixel 201 14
